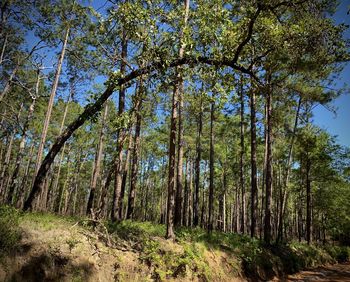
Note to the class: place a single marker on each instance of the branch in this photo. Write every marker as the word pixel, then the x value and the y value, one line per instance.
pixel 249 34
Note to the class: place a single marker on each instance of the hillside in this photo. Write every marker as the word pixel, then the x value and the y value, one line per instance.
pixel 46 247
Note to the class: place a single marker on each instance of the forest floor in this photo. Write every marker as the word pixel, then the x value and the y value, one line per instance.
pixel 334 273
pixel 55 248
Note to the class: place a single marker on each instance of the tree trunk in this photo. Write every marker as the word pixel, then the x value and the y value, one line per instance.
pixel 50 105
pixel 20 154
pixel 176 104
pixel 121 133
pixel 21 192
pixel 241 162
pixel 3 49
pixel 171 172
pixel 211 168
pixel 5 167
pixel 254 184
pixel 308 199
pixel 5 173
pixel 135 157
pixel 97 166
pixel 197 166
pixel 57 178
pixel 268 177
pixel 286 177
pixel 179 186
pixel 125 174
pixel 186 193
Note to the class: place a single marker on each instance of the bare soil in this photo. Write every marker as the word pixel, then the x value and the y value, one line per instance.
pixel 330 273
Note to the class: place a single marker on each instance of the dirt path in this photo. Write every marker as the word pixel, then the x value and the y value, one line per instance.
pixel 332 273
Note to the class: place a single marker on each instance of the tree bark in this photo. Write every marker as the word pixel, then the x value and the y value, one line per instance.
pixel 57 178
pixel 186 193
pixel 241 162
pixel 3 49
pixel 50 105
pixel 286 177
pixel 121 133
pixel 211 168
pixel 21 192
pixel 135 157
pixel 125 174
pixel 20 154
pixel 172 166
pixel 179 186
pixel 268 178
pixel 197 166
pixel 177 101
pixel 5 167
pixel 254 184
pixel 308 198
pixel 97 166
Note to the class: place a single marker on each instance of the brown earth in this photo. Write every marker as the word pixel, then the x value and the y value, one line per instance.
pixel 61 251
pixel 330 273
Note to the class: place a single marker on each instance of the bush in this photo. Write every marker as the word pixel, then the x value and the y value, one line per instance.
pixel 9 230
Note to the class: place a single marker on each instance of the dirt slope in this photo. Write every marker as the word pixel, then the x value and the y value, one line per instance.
pixel 57 250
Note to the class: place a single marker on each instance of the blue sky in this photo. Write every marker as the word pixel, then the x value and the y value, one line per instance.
pixel 338 124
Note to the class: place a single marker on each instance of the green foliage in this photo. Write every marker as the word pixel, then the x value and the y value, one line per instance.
pixel 10 233
pixel 47 221
pixel 135 231
pixel 72 243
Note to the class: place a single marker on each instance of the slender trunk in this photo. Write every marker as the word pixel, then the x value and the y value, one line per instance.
pixel 237 211
pixel 286 177
pixel 73 184
pixel 63 191
pixel 97 166
pixel 104 191
pixel 176 104
pixel 211 167
pixel 223 215
pixel 8 82
pixel 135 158
pixel 21 192
pixel 254 184
pixel 263 182
pixel 179 186
pixel 121 133
pixel 186 194
pixel 5 168
pixel 197 167
pixel 3 49
pixel 171 172
pixel 308 198
pixel 241 162
pixel 56 187
pixel 5 173
pixel 125 174
pixel 50 105
pixel 268 177
pixel 57 178
pixel 20 154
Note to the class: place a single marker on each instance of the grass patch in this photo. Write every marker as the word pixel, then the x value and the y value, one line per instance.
pixel 132 230
pixel 191 255
pixel 10 233
pixel 47 221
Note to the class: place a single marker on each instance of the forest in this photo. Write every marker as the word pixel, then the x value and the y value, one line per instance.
pixel 185 114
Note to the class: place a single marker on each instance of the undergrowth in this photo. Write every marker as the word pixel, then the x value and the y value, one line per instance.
pixel 189 256
pixel 9 229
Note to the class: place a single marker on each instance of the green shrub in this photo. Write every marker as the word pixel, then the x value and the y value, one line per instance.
pixel 9 230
